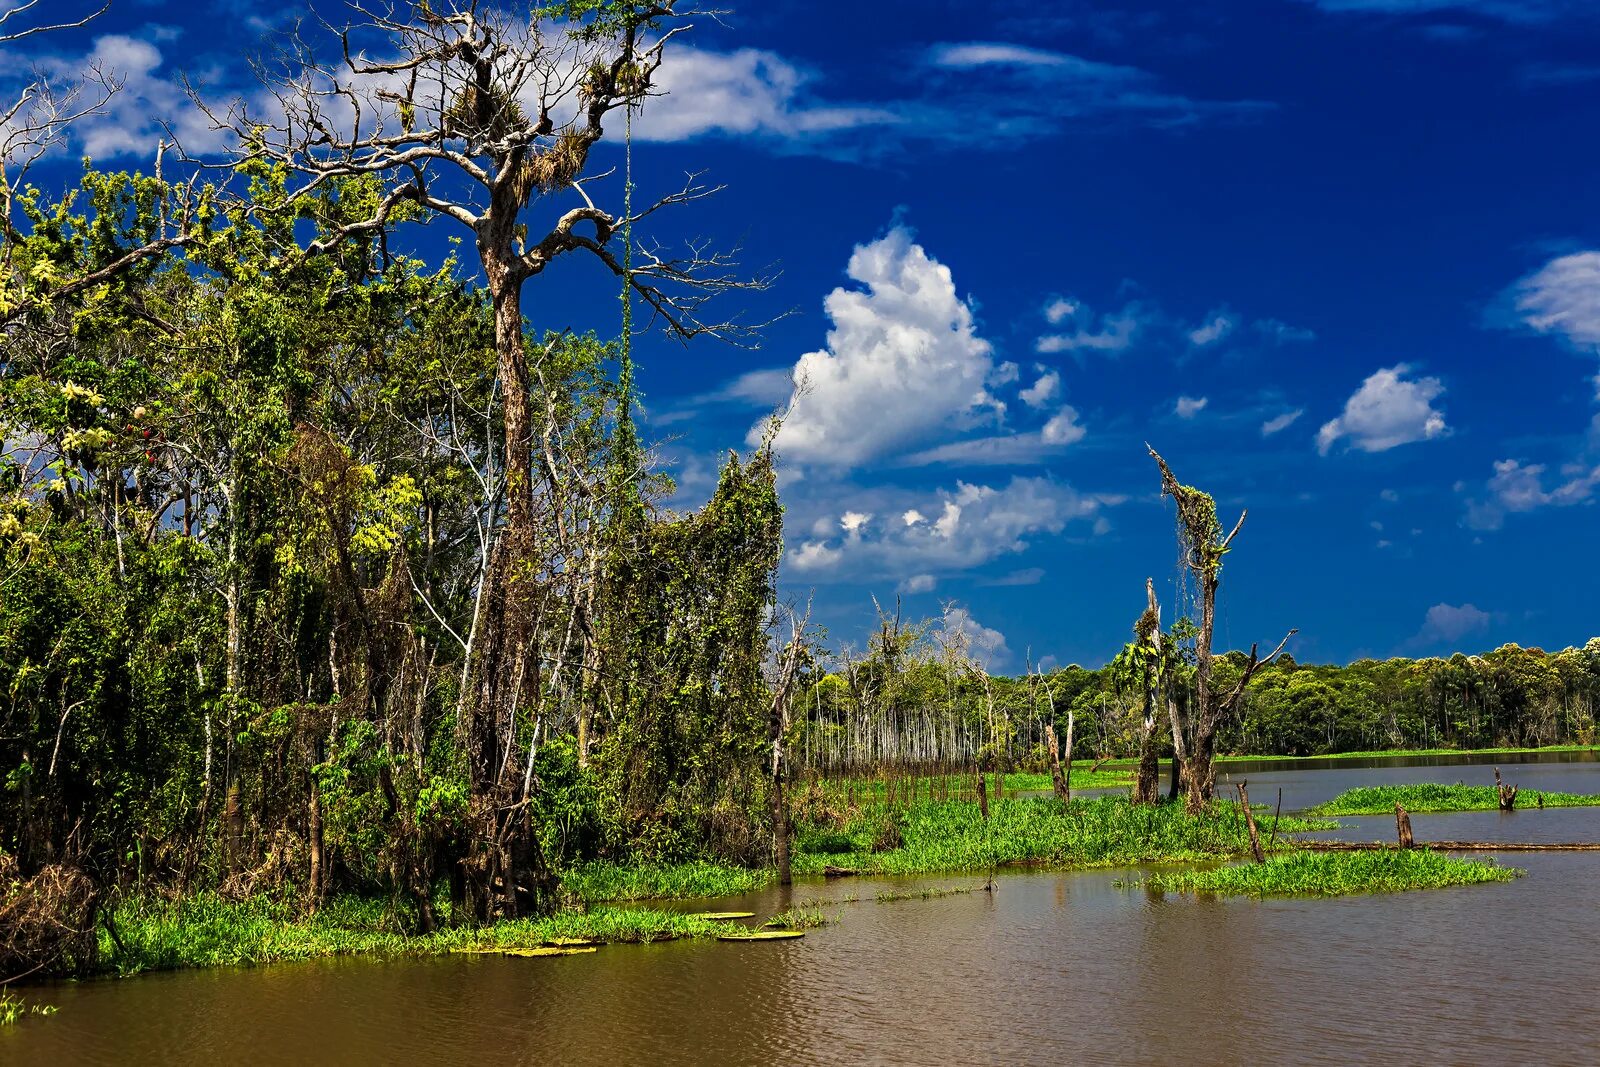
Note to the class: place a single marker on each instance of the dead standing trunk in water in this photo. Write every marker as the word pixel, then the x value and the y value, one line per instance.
pixel 1147 635
pixel 1506 794
pixel 1203 544
pixel 1402 827
pixel 1061 763
pixel 1250 822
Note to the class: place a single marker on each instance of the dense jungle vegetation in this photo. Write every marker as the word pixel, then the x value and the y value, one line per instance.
pixel 323 570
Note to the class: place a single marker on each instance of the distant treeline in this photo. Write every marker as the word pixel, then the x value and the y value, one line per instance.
pixel 921 705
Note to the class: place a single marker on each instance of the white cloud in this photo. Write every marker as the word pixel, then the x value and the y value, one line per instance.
pixel 1025 576
pixel 1387 411
pixel 986 645
pixel 1562 298
pixel 1525 11
pixel 1218 325
pixel 1282 332
pixel 1448 623
pixel 131 122
pixel 971 54
pixel 1111 333
pixel 903 361
pixel 1042 391
pixel 748 92
pixel 1062 429
pixel 853 522
pixel 1516 487
pixel 918 583
pixel 1059 310
pixel 975 524
pixel 1280 422
pixel 1188 407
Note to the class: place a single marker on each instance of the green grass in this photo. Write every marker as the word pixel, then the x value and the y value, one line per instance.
pixel 595 883
pixel 1432 797
pixel 14 1008
pixel 1106 831
pixel 1080 779
pixel 1326 874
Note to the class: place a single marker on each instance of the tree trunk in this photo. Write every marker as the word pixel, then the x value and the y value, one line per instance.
pixel 504 871
pixel 1058 776
pixel 1250 823
pixel 1507 794
pixel 1402 826
pixel 780 832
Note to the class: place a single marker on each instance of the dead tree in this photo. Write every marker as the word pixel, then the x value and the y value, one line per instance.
pixel 788 669
pixel 1505 794
pixel 1203 545
pixel 1148 649
pixel 1250 822
pixel 466 112
pixel 1402 827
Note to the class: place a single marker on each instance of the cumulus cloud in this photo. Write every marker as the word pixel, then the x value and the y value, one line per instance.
pixel 1388 410
pixel 918 583
pixel 903 361
pixel 1188 407
pixel 1446 624
pixel 1282 422
pixel 947 531
pixel 1004 450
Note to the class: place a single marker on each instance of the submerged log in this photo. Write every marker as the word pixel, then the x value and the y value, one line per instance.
pixel 1402 826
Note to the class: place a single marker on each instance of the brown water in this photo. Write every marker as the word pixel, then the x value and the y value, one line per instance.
pixel 1049 969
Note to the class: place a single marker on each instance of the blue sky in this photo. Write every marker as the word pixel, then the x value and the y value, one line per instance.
pixel 1339 260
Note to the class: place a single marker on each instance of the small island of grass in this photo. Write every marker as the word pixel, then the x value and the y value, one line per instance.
pixel 1326 874
pixel 1428 797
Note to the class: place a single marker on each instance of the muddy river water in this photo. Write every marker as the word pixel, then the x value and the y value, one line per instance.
pixel 1051 968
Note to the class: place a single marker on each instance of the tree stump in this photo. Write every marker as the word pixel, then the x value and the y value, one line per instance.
pixel 983 797
pixel 1402 826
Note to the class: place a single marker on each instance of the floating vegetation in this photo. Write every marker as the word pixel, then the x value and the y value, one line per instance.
pixel 763 935
pixel 571 942
pixel 723 916
pixel 548 950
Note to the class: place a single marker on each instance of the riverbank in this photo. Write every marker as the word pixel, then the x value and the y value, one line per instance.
pixel 923 838
pixel 1121 765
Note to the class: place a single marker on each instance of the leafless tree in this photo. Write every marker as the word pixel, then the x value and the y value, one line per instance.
pixel 786 671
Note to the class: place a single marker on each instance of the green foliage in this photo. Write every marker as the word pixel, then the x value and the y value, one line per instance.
pixel 1327 874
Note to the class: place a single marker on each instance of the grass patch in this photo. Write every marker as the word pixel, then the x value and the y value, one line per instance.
pixel 1079 779
pixel 1432 797
pixel 1328 874
pixel 1102 832
pixel 206 930
pixel 595 883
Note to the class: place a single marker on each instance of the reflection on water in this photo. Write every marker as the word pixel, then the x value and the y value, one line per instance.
pixel 1051 968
